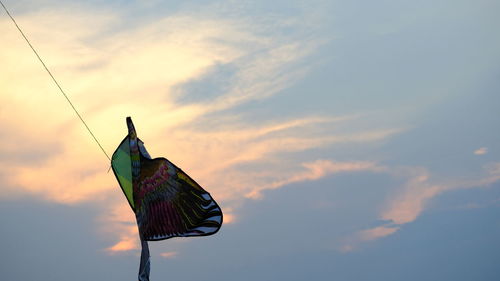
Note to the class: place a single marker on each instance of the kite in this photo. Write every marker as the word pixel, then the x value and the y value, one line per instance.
pixel 166 201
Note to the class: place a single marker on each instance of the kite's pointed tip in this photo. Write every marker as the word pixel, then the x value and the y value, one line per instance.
pixel 131 128
pixel 129 121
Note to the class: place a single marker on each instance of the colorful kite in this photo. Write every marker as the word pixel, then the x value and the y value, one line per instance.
pixel 166 201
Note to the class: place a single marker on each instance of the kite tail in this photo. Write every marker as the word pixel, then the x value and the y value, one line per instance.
pixel 145 263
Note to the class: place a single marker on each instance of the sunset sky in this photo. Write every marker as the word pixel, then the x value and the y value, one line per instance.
pixel 343 140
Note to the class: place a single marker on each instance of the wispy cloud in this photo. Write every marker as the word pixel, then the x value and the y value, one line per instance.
pixel 406 205
pixel 376 232
pixel 313 171
pixel 126 243
pixel 481 151
pixel 169 255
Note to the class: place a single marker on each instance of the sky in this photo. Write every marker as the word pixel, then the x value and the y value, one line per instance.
pixel 343 140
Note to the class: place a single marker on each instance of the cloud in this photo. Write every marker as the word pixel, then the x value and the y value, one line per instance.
pixel 128 240
pixel 169 255
pixel 481 151
pixel 244 160
pixel 118 218
pixel 229 216
pixel 376 232
pixel 106 74
pixel 111 70
pixel 125 244
pixel 406 205
pixel 313 171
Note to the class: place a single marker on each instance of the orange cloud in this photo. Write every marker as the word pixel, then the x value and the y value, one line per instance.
pixel 376 232
pixel 481 151
pixel 128 240
pixel 313 171
pixel 407 205
pixel 169 255
pixel 125 244
pixel 353 242
pixel 118 220
pixel 111 70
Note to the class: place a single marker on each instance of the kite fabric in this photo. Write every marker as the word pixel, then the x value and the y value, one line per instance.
pixel 166 201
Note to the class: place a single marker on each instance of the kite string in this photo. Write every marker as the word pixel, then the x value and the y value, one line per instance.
pixel 55 81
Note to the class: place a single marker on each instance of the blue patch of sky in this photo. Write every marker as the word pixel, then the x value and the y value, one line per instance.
pixel 213 84
pixel 469 199
pixel 447 134
pixel 421 61
pixel 423 67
